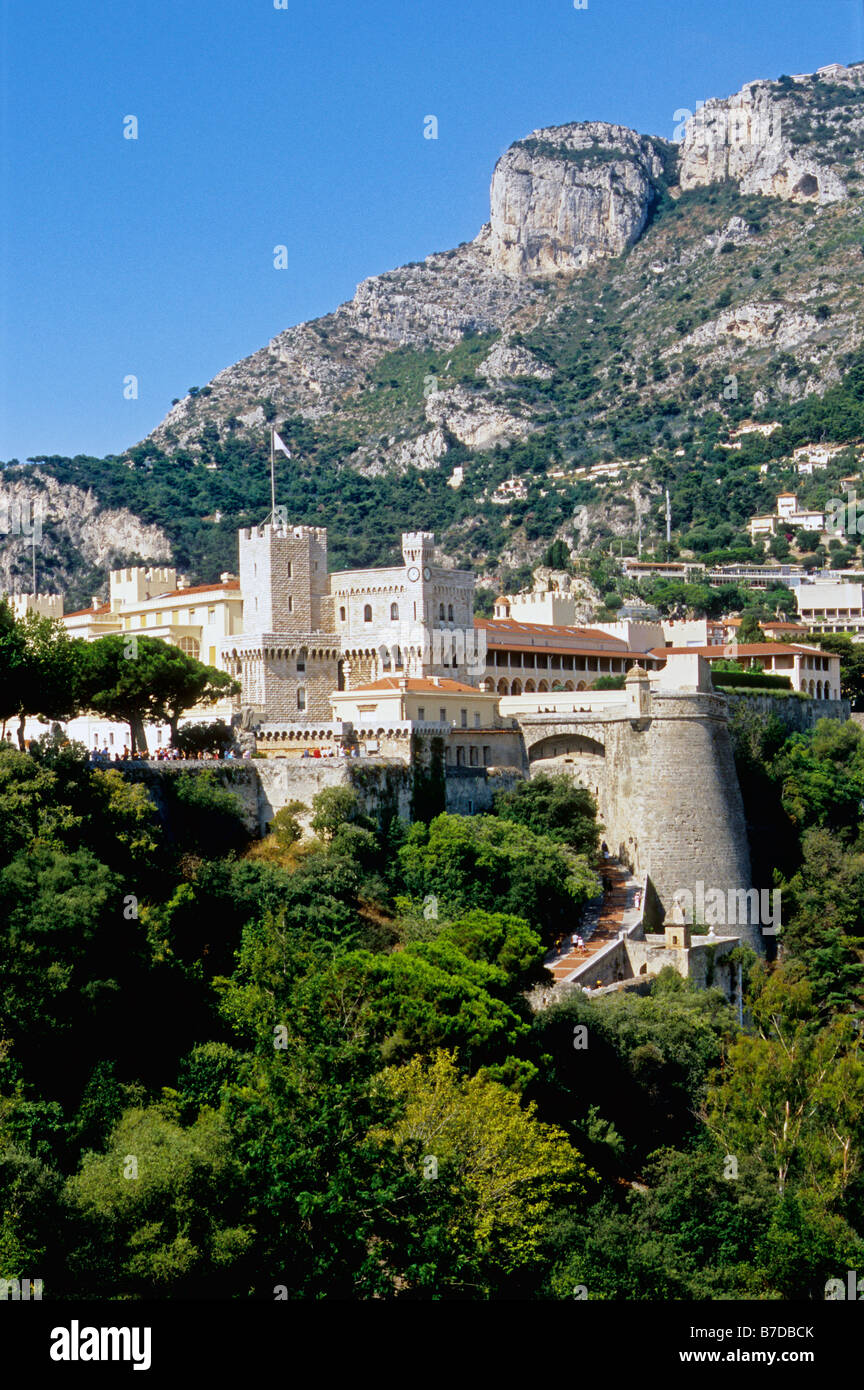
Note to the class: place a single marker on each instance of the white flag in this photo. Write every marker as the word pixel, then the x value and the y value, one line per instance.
pixel 281 445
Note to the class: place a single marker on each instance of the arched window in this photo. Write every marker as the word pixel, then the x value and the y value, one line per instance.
pixel 441 612
pixel 301 697
pixel 367 613
pixel 341 615
pixel 301 661
pixel 394 612
pixel 189 645
pixel 449 612
pixel 399 663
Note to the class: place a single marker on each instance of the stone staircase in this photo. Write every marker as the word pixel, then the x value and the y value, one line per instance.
pixel 605 918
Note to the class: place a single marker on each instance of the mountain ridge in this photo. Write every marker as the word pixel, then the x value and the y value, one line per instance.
pixel 605 315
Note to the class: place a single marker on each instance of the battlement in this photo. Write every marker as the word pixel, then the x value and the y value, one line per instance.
pixel 137 583
pixel 418 547
pixel 46 605
pixel 267 530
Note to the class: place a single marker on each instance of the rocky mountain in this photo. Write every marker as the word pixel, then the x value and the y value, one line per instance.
pixel 629 302
pixel 562 199
pixel 76 538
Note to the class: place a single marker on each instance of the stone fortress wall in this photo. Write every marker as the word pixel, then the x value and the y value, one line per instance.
pixel 661 766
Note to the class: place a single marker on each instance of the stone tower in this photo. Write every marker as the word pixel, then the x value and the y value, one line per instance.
pixel 283 579
pixel 288 658
pixel 661 765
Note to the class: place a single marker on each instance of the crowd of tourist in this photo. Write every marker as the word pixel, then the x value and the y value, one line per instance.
pixel 125 755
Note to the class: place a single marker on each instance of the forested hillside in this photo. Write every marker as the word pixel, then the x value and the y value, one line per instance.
pixel 282 1078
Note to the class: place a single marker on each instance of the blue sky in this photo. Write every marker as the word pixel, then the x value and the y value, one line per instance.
pixel 300 127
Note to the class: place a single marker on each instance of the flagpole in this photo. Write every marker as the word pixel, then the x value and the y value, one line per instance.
pixel 272 478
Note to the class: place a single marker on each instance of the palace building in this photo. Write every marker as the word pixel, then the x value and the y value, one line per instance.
pixel 299 638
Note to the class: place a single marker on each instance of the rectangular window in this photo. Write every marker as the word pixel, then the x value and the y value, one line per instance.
pixel 288 569
pixel 473 756
pixel 463 714
pixel 476 721
pixel 301 697
pixel 442 714
pixel 290 605
pixel 487 755
pixel 421 712
pixel 211 614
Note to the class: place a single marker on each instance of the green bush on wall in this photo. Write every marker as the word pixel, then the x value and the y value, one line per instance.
pixel 750 679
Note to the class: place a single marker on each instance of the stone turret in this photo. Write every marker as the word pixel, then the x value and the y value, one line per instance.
pixel 638 690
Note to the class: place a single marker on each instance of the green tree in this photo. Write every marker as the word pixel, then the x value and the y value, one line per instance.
pixel 497 865
pixel 851 656
pixel 161 1213
pixel 750 629
pixel 39 669
pixel 557 556
pixel 143 679
pixel 556 806
pixel 334 807
pixel 509 1169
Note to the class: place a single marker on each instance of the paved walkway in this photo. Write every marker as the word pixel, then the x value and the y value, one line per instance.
pixel 604 919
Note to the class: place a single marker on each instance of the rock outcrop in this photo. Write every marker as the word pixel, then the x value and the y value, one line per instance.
pixel 475 420
pixel 752 139
pixel 508 362
pixel 570 195
pixel 70 528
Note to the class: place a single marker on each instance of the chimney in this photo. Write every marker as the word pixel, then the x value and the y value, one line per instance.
pixel 95 602
pixel 182 582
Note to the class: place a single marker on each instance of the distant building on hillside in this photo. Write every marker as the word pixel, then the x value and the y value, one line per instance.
pixel 832 607
pixel 788 514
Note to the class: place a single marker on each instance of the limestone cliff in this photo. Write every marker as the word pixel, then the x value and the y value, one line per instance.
pixel 756 137
pixel 570 195
pixel 73 533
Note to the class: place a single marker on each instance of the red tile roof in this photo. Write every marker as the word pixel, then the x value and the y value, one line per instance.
pixel 79 612
pixel 416 686
pixel 507 627
pixel 741 649
pixel 197 589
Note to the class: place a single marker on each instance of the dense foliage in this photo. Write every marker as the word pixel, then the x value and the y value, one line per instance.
pixel 308 1067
